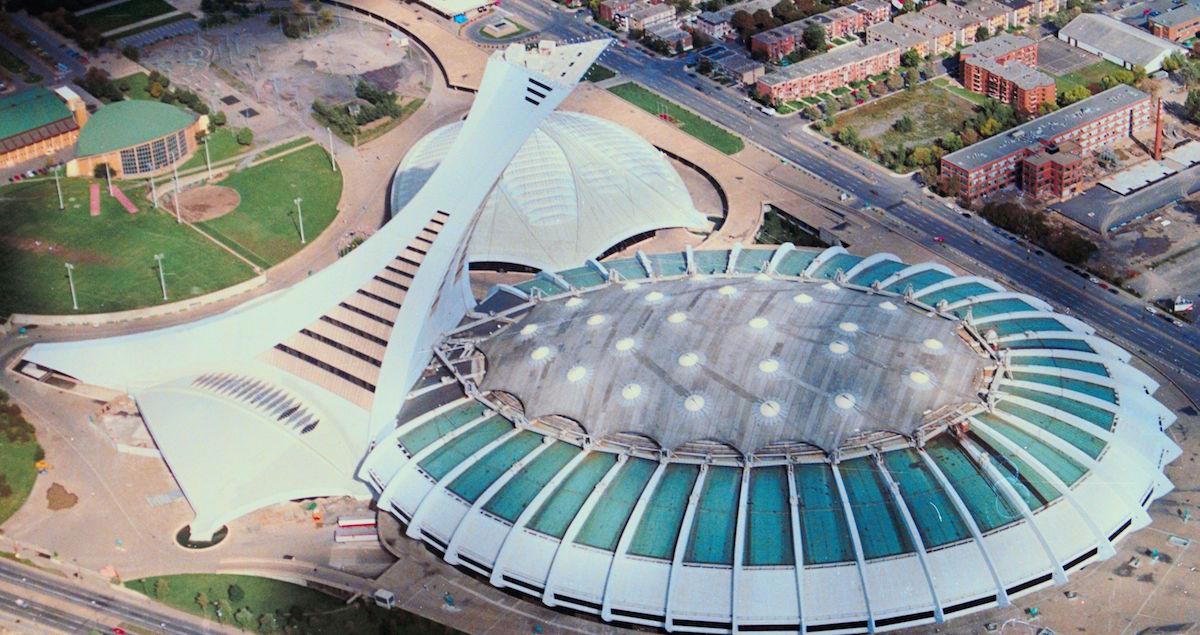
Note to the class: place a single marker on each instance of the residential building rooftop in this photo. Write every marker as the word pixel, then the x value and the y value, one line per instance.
pixel 829 61
pixel 1178 15
pixel 995 47
pixel 1019 73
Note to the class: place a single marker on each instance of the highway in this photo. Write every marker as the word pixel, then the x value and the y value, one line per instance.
pixel 66 589
pixel 908 209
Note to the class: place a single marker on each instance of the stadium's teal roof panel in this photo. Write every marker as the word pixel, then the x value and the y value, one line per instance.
pixel 129 123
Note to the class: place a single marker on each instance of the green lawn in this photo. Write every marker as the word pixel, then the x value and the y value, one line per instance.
pixel 19 450
pixel 171 19
pixel 974 98
pixel 688 121
pixel 222 144
pixel 272 605
pixel 598 73
pixel 284 147
pixel 1088 76
pixel 125 13
pixel 521 30
pixel 113 253
pixel 264 228
pixel 138 83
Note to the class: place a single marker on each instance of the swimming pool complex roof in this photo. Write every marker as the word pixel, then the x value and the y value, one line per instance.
pixel 1055 461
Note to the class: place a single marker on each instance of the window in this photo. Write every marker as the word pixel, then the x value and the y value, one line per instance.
pixel 128 162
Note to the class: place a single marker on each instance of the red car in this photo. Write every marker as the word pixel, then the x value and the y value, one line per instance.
pixel 939 239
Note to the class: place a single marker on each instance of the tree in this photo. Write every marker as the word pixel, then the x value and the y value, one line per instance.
pixel 990 127
pixel 1073 94
pixel 245 137
pixel 909 6
pixel 224 610
pixel 1047 107
pixel 742 21
pixel 786 11
pixel 155 89
pixel 912 77
pixel 245 617
pixel 1173 62
pixel 951 142
pixel 704 66
pixel 814 37
pixel 161 588
pixel 894 81
pixel 236 594
pixel 218 119
pixel 982 33
pixel 910 58
pixel 904 124
pixel 202 602
pixel 101 171
pixel 920 156
pixel 131 52
pixel 1191 107
pixel 812 113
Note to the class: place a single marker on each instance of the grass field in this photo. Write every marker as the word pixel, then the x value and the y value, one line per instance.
pixel 935 111
pixel 1088 76
pixel 138 82
pixel 17 458
pixel 271 605
pixel 113 253
pixel 222 144
pixel 688 121
pixel 264 226
pixel 946 84
pixel 284 147
pixel 127 12
pixel 598 73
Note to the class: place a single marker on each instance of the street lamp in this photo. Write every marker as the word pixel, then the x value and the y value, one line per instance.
pixel 175 194
pixel 58 187
pixel 332 162
pixel 71 281
pixel 108 177
pixel 300 216
pixel 207 161
pixel 162 279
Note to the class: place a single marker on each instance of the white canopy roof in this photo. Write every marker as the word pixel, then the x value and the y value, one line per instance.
pixel 577 187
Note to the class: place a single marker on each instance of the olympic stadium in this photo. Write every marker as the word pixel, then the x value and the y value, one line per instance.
pixel 721 440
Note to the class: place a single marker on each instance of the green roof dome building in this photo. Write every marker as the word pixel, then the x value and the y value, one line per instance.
pixel 136 138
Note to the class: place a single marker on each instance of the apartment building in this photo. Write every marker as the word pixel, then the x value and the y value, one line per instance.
pixel 828 71
pixel 1177 24
pixel 1052 171
pixel 941 38
pixel 961 23
pixel 1005 68
pixel 1093 123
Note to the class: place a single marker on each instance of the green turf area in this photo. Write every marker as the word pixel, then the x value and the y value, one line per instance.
pixel 19 450
pixel 222 144
pixel 113 253
pixel 267 605
pixel 688 121
pixel 171 19
pixel 284 147
pixel 598 73
pixel 263 227
pixel 138 84
pixel 935 111
pixel 1089 76
pixel 778 228
pixel 974 98
pixel 11 62
pixel 125 13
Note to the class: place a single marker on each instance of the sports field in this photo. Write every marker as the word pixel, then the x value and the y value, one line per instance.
pixel 688 121
pixel 222 144
pixel 264 227
pixel 113 253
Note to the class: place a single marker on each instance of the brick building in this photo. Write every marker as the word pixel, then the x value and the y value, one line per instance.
pixel 941 38
pixel 644 17
pixel 901 37
pixel 1092 124
pixel 1178 24
pixel 774 44
pixel 36 123
pixel 828 71
pixel 1005 68
pixel 1052 171
pixel 953 16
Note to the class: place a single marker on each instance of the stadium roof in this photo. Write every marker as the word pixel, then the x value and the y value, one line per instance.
pixel 1117 39
pixel 1045 127
pixel 577 187
pixel 1057 459
pixel 128 123
pixel 28 111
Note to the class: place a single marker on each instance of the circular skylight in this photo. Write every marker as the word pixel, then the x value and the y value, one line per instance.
pixel 631 392
pixel 654 296
pixel 839 347
pixel 624 344
pixel 768 365
pixel 677 317
pixel 693 403
pixel 845 401
pixel 848 327
pixel 529 329
pixel 540 353
pixel 933 344
pixel 769 409
pixel 759 323
pixel 887 305
pixel 631 285
pixel 687 360
pixel 726 290
pixel 595 320
pixel 574 302
pixel 919 377
pixel 802 298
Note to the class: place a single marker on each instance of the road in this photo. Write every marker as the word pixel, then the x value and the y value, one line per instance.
pixel 908 209
pixel 103 604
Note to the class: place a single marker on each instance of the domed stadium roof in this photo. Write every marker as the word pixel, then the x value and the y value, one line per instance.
pixel 578 186
pixel 122 124
pixel 790 439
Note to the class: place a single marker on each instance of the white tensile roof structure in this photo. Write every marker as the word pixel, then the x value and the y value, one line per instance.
pixel 280 398
pixel 775 440
pixel 577 187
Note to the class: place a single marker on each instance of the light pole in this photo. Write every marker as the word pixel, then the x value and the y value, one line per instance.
pixel 207 161
pixel 154 192
pixel 108 177
pixel 300 216
pixel 162 279
pixel 71 281
pixel 332 162
pixel 175 195
pixel 58 186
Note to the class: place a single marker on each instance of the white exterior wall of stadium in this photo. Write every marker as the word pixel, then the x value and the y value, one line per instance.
pixel 519 89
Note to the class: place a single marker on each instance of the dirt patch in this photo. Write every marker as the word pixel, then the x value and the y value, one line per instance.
pixel 59 498
pixel 207 202
pixel 45 247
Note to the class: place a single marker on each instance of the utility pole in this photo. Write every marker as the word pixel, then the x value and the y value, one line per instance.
pixel 207 161
pixel 58 186
pixel 71 281
pixel 175 195
pixel 162 279
pixel 332 162
pixel 300 216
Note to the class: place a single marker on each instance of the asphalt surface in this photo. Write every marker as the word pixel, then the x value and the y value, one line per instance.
pixel 66 589
pixel 908 210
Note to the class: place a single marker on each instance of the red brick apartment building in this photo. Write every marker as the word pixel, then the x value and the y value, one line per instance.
pixel 828 71
pixel 1005 68
pixel 1053 170
pixel 1178 24
pixel 776 43
pixel 1091 124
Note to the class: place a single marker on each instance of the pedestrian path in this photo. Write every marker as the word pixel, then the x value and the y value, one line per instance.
pixel 94 191
pixel 118 194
